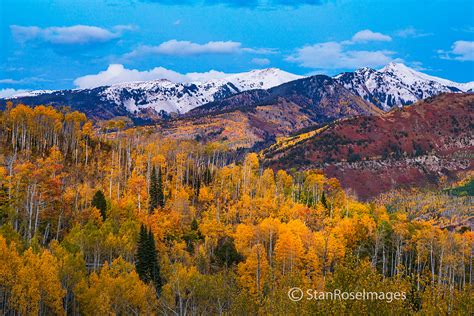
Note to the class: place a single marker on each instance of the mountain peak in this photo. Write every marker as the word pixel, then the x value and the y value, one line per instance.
pixel 260 78
pixel 396 84
pixel 397 67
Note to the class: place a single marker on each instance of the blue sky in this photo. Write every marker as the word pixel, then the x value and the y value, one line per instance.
pixel 57 44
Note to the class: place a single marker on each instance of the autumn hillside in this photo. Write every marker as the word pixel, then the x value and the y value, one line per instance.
pixel 417 146
pixel 117 221
pixel 254 119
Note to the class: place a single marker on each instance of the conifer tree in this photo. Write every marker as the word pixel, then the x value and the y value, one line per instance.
pixel 153 191
pixel 141 256
pixel 146 261
pixel 99 202
pixel 197 187
pixel 153 265
pixel 159 186
pixel 324 201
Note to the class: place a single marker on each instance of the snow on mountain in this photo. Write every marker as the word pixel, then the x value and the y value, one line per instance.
pixel 261 79
pixel 164 95
pixel 393 85
pixel 397 85
pixel 33 93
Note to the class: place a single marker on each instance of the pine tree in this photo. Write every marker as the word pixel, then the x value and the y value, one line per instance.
pixel 197 187
pixel 194 225
pixel 153 264
pixel 141 255
pixel 192 236
pixel 146 261
pixel 99 202
pixel 160 195
pixel 153 191
pixel 324 201
pixel 226 254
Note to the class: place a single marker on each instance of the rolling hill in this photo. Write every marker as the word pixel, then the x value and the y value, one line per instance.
pixel 416 145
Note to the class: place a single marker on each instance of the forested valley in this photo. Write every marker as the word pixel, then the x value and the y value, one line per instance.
pixel 100 221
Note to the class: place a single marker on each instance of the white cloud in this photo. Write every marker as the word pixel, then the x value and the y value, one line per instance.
pixel 340 55
pixel 68 35
pixel 260 51
pixel 186 48
pixel 460 50
pixel 23 81
pixel 9 81
pixel 204 76
pixel 260 61
pixel 411 32
pixel 334 55
pixel 418 65
pixel 117 73
pixel 6 93
pixel 369 36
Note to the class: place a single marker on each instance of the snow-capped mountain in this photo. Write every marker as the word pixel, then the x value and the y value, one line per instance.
pixel 158 96
pixel 393 85
pixel 397 85
pixel 33 93
pixel 164 95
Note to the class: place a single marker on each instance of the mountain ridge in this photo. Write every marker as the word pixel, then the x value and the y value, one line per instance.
pixel 162 96
pixel 394 85
pixel 397 85
pixel 414 145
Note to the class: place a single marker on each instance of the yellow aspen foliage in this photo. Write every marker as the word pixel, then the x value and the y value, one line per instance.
pixel 253 272
pixel 37 284
pixel 159 161
pixel 205 195
pixel 116 289
pixel 232 238
pixel 10 262
pixel 87 129
pixel 283 182
pixel 289 251
pixel 213 231
pixel 244 237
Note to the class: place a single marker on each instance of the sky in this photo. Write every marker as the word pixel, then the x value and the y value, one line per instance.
pixel 65 44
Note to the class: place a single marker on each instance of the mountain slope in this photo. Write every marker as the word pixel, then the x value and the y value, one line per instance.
pixel 320 97
pixel 394 85
pixel 397 85
pixel 152 99
pixel 260 116
pixel 415 145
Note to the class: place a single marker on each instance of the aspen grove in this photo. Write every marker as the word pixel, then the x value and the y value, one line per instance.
pixel 114 220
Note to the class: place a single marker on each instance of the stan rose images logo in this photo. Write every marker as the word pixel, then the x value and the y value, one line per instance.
pixel 297 294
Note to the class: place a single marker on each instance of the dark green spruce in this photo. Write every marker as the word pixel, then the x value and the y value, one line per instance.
pixel 99 202
pixel 156 195
pixel 160 195
pixel 153 191
pixel 324 201
pixel 146 261
pixel 140 256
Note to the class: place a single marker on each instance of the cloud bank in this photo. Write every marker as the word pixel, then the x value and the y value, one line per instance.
pixel 68 35
pixel 342 55
pixel 187 48
pixel 460 50
pixel 117 73
pixel 6 93
pixel 260 61
pixel 411 32
pixel 365 36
